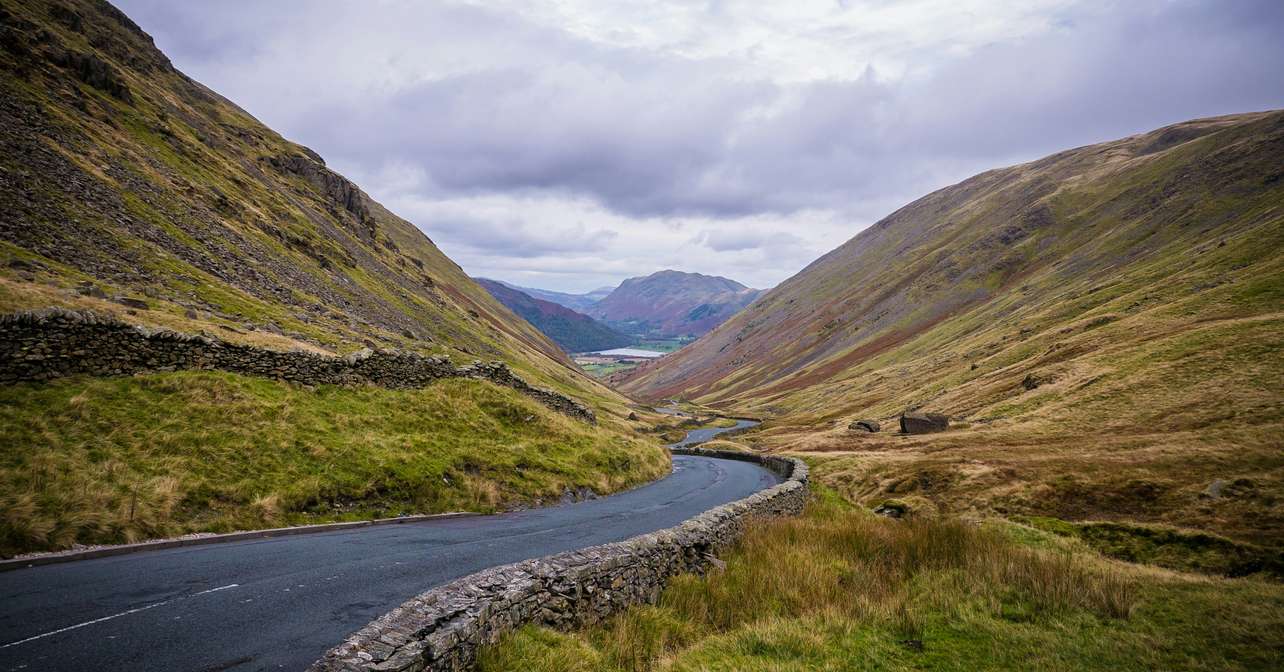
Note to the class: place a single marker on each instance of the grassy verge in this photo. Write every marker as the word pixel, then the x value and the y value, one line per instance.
pixel 123 459
pixel 840 589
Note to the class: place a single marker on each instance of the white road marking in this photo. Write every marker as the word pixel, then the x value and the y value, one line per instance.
pixel 108 618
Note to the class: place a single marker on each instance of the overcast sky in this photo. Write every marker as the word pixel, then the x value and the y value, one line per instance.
pixel 569 144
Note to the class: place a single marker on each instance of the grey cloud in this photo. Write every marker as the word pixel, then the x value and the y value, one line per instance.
pixel 512 237
pixel 485 103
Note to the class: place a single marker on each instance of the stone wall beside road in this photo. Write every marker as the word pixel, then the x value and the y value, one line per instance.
pixel 442 629
pixel 53 343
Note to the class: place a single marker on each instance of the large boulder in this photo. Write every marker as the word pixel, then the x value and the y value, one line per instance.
pixel 924 423
pixel 870 426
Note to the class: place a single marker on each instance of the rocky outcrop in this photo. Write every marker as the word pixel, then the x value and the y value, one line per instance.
pixel 868 426
pixel 443 628
pixel 335 187
pixel 924 423
pixel 54 343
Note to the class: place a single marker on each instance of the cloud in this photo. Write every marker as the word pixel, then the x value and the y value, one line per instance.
pixel 581 142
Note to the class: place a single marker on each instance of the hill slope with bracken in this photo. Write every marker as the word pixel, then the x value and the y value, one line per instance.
pixel 1104 325
pixel 572 331
pixel 127 188
pixel 668 304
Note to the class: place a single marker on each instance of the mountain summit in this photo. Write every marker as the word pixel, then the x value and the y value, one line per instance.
pixel 670 304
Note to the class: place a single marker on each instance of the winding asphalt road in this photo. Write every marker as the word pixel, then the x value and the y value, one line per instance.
pixel 279 603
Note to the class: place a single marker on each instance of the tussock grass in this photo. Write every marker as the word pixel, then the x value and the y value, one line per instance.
pixel 840 589
pixel 124 459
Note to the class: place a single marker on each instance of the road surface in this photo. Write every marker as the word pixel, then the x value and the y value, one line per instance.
pixel 270 604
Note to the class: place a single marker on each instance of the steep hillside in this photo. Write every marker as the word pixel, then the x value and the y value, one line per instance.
pixel 578 302
pixel 572 331
pixel 127 188
pixel 120 172
pixel 1104 325
pixel 668 304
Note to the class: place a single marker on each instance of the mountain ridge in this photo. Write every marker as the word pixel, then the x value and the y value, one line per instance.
pixel 572 331
pixel 580 303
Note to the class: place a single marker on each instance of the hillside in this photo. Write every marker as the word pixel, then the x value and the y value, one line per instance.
pixel 581 303
pixel 128 189
pixel 669 304
pixel 572 331
pixel 1103 325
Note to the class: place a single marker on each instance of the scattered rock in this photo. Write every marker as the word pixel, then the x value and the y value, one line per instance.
pixel 633 416
pixel 410 334
pixel 128 302
pixel 868 426
pixel 1214 489
pixel 716 563
pixel 924 423
pixel 892 509
pixel 190 314
pixel 1033 380
pixel 86 288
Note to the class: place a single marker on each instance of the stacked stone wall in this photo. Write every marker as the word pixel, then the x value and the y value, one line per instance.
pixel 54 343
pixel 444 628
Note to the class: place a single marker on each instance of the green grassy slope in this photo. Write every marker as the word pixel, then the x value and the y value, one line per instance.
pixel 122 459
pixel 1103 324
pixel 121 178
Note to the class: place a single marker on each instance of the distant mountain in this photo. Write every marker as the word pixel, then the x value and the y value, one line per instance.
pixel 578 302
pixel 669 304
pixel 572 331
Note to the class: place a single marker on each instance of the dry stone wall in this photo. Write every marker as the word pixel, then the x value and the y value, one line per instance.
pixel 53 343
pixel 442 629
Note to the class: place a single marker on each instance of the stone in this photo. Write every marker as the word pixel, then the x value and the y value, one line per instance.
pixel 1033 380
pixel 137 304
pixel 633 416
pixel 90 289
pixel 869 426
pixel 892 509
pixel 190 314
pixel 1214 489
pixel 914 422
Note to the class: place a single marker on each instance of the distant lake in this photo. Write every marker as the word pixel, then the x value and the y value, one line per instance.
pixel 629 352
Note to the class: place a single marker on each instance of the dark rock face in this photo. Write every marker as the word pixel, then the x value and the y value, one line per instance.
pixel 442 629
pixel 1033 380
pixel 870 426
pixel 55 343
pixel 93 71
pixel 335 187
pixel 924 423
